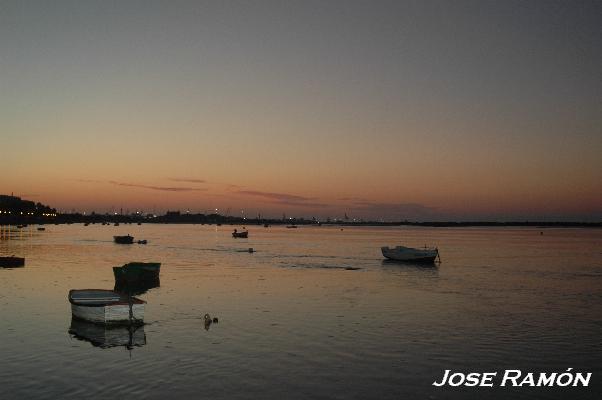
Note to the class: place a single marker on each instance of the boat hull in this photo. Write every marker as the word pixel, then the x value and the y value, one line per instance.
pixel 242 235
pixel 137 272
pixel 118 313
pixel 106 307
pixel 410 254
pixel 11 262
pixel 123 239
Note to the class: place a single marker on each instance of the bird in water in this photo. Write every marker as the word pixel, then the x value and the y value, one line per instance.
pixel 209 321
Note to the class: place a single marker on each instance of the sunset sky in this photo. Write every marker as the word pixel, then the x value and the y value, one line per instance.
pixel 444 110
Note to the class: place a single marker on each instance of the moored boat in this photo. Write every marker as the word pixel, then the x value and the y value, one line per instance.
pixel 243 234
pixel 135 272
pixel 401 253
pixel 106 307
pixel 123 239
pixel 12 261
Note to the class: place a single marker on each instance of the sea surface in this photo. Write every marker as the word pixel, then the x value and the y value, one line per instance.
pixel 312 313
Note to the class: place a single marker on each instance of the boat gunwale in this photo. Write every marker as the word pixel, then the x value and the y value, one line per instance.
pixel 123 300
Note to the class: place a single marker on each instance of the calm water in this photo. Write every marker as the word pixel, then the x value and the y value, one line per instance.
pixel 294 322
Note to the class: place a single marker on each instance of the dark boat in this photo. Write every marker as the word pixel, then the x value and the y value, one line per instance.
pixel 291 226
pixel 136 288
pixel 124 239
pixel 11 262
pixel 144 241
pixel 243 234
pixel 41 228
pixel 415 255
pixel 136 272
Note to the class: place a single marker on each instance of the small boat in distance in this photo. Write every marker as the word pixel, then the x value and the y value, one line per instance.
pixel 291 226
pixel 137 272
pixel 41 228
pixel 401 253
pixel 123 239
pixel 106 307
pixel 12 262
pixel 243 234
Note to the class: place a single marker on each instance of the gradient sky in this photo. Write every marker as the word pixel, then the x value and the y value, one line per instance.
pixel 397 110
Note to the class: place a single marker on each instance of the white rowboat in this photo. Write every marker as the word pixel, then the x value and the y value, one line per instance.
pixel 106 307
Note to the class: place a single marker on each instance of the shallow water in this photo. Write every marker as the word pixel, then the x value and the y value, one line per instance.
pixel 314 312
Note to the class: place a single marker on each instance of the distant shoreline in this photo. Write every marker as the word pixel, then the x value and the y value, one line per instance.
pixel 16 211
pixel 200 219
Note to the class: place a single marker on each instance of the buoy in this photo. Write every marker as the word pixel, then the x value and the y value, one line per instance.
pixel 215 320
pixel 251 250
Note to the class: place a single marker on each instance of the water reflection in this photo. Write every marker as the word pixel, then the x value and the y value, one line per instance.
pixel 137 288
pixel 105 336
pixel 13 232
pixel 409 264
pixel 408 268
pixel 386 331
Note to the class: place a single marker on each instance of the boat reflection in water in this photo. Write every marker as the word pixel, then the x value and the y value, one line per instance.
pixel 107 336
pixel 410 264
pixel 137 288
pixel 419 273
